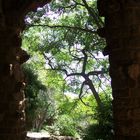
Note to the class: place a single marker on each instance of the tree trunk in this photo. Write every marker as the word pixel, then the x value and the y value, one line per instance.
pixel 122 33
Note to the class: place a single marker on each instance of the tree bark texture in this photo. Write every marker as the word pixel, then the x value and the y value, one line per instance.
pixel 122 33
pixel 12 80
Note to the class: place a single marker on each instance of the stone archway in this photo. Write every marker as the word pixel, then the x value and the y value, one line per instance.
pixel 122 32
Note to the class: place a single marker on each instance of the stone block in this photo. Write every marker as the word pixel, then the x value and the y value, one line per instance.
pixel 126 103
pixel 128 128
pixel 121 93
pixel 135 92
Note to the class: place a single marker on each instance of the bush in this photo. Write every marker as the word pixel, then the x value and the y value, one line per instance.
pixel 102 129
pixel 66 126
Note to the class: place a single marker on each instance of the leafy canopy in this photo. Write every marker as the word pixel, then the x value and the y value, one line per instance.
pixel 65 34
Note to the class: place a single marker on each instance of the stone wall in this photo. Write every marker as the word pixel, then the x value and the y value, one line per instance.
pixel 12 103
pixel 122 33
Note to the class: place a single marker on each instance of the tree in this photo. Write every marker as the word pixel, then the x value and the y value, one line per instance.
pixel 69 42
pixel 66 44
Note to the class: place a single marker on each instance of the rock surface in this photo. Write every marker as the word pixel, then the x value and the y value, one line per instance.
pixel 47 136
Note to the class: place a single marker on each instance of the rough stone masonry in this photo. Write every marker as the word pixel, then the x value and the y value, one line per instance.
pixel 122 33
pixel 12 81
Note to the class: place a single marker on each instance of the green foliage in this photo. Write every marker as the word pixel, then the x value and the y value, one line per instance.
pixel 39 103
pixel 65 35
pixel 34 85
pixel 102 129
pixel 66 125
pixel 31 92
pixel 66 56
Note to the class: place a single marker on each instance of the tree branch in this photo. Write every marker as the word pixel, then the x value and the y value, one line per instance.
pixel 85 61
pixel 95 94
pixel 77 3
pixel 92 13
pixel 75 74
pixel 81 92
pixel 62 26
pixel 95 73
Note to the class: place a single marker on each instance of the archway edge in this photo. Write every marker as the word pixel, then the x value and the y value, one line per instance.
pixel 122 34
pixel 12 80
